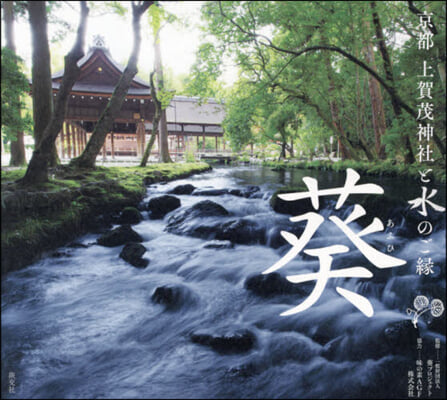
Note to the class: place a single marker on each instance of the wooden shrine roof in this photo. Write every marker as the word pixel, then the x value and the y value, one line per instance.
pixel 99 75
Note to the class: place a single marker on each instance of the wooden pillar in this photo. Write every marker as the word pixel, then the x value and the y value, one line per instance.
pixel 137 136
pixel 62 135
pixel 84 141
pixel 57 144
pixel 68 140
pixel 178 144
pixel 113 144
pixel 203 143
pixel 197 140
pixel 216 142
pixel 104 149
pixel 81 138
pixel 75 147
pixel 79 134
pixel 76 139
pixel 140 133
pixel 73 140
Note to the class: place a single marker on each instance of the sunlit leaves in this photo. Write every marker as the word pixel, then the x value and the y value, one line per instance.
pixel 14 84
pixel 157 17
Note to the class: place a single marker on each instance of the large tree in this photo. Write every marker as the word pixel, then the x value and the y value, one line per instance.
pixel 37 171
pixel 42 93
pixel 88 157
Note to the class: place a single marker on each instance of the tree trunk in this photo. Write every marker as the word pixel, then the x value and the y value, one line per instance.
pixel 345 147
pixel 283 134
pixel 17 144
pixel 42 92
pixel 376 100
pixel 283 150
pixel 397 106
pixel 164 146
pixel 363 144
pixel 377 109
pixel 155 123
pixel 37 171
pixel 150 144
pixel 104 125
pixel 163 131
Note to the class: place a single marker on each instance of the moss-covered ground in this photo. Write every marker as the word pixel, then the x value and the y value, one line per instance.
pixel 39 218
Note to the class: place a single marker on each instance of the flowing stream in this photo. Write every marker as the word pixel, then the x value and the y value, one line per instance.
pixel 81 323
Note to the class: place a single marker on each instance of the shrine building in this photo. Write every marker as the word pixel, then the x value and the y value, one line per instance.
pixel 188 121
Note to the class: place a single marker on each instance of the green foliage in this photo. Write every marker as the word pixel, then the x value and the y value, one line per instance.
pixel 262 37
pixel 239 120
pixel 176 82
pixel 393 138
pixel 165 97
pixel 157 17
pixel 114 6
pixel 283 122
pixel 203 80
pixel 381 168
pixel 189 156
pixel 14 85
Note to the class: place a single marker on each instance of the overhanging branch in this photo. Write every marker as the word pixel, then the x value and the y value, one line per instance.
pixel 268 43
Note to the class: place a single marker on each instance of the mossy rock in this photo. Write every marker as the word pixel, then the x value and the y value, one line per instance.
pixel 239 341
pixel 183 189
pixel 241 231
pixel 130 215
pixel 297 207
pixel 174 296
pixel 133 254
pixel 119 236
pixel 205 208
pixel 273 284
pixel 159 206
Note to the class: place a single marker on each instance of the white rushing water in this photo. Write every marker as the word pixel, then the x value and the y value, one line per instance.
pixel 83 324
